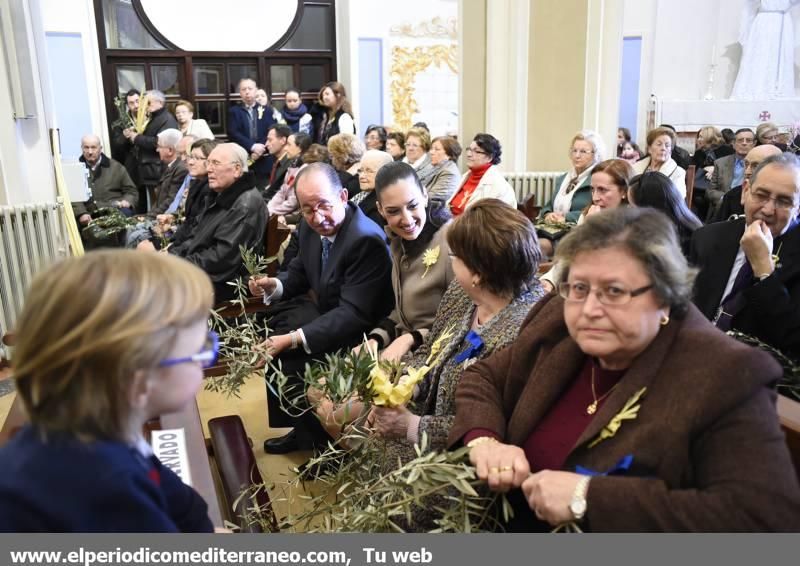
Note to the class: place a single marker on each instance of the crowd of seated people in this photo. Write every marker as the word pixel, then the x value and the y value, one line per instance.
pixel 390 241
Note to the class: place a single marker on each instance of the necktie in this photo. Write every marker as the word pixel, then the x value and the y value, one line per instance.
pixel 253 130
pixel 734 302
pixel 179 196
pixel 326 251
pixel 274 170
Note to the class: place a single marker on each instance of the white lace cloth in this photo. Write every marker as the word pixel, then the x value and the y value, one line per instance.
pixel 766 70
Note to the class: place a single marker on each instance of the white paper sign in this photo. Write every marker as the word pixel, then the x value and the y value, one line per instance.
pixel 169 446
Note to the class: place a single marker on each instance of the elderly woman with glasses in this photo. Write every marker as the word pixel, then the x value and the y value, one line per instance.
pixel 574 192
pixel 367 199
pixel 484 179
pixel 621 408
pixel 660 142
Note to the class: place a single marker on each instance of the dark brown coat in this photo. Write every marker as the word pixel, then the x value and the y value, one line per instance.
pixel 709 454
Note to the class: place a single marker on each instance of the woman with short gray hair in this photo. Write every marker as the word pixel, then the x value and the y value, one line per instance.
pixel 621 408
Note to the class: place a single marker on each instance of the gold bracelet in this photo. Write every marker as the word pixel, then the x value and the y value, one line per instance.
pixel 480 440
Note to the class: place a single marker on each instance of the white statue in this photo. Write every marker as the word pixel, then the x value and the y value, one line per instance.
pixel 766 70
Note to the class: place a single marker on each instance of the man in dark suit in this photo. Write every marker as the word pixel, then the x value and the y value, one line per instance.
pixel 248 123
pixel 729 170
pixel 277 137
pixel 732 202
pixel 344 264
pixel 749 277
pixel 149 163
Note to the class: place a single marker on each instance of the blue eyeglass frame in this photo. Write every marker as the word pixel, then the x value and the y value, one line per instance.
pixel 206 357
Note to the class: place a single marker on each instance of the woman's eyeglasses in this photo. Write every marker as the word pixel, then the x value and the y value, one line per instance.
pixel 613 295
pixel 206 357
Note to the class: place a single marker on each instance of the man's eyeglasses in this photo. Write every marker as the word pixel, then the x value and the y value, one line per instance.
pixel 762 198
pixel 206 357
pixel 216 163
pixel 323 207
pixel 614 295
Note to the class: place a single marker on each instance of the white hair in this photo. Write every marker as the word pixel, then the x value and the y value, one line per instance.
pixel 596 142
pixel 169 137
pixel 156 95
pixel 239 154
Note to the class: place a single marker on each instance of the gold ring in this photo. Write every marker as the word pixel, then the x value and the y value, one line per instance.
pixel 494 470
pixel 506 468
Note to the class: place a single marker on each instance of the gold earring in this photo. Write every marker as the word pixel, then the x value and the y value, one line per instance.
pixel 664 320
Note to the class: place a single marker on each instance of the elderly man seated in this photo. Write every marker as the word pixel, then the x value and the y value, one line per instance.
pixel 749 277
pixel 234 214
pixel 109 182
pixel 172 149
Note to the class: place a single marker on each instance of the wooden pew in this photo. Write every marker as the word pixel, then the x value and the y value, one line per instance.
pixel 188 419
pixel 789 415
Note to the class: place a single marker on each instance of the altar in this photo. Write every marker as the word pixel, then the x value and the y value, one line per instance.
pixel 691 115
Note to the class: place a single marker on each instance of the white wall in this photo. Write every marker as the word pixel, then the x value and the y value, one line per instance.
pixel 26 172
pixel 373 19
pixel 680 38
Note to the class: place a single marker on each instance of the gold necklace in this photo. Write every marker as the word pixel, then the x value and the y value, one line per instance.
pixel 592 407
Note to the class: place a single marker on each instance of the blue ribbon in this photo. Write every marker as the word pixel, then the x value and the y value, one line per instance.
pixel 622 466
pixel 476 344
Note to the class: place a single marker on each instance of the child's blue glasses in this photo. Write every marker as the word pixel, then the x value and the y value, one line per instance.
pixel 206 357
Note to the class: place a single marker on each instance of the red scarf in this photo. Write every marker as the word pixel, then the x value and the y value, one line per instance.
pixel 461 198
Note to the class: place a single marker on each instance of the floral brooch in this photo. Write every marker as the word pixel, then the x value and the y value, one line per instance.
pixel 429 259
pixel 629 412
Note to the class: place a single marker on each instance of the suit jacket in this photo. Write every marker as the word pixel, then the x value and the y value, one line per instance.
pixel 731 204
pixel 280 176
pixel 772 309
pixel 168 186
pixel 708 451
pixel 150 165
pixel 721 179
pixel 236 216
pixel 445 182
pixel 353 292
pixel 239 132
pixel 110 183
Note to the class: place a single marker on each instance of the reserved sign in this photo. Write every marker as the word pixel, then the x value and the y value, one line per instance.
pixel 169 446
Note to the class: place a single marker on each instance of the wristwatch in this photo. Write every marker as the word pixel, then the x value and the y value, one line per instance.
pixel 578 504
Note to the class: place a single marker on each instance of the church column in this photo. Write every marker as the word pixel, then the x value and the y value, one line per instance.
pixel 573 76
pixel 507 79
pixel 472 69
pixel 603 70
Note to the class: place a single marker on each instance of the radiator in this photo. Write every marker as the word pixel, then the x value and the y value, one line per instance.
pixel 541 184
pixel 31 237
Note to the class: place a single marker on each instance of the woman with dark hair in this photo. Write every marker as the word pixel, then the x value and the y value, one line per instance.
pixel 396 145
pixel 295 113
pixel 656 190
pixel 375 138
pixel 621 408
pixel 623 137
pixel 338 118
pixel 484 179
